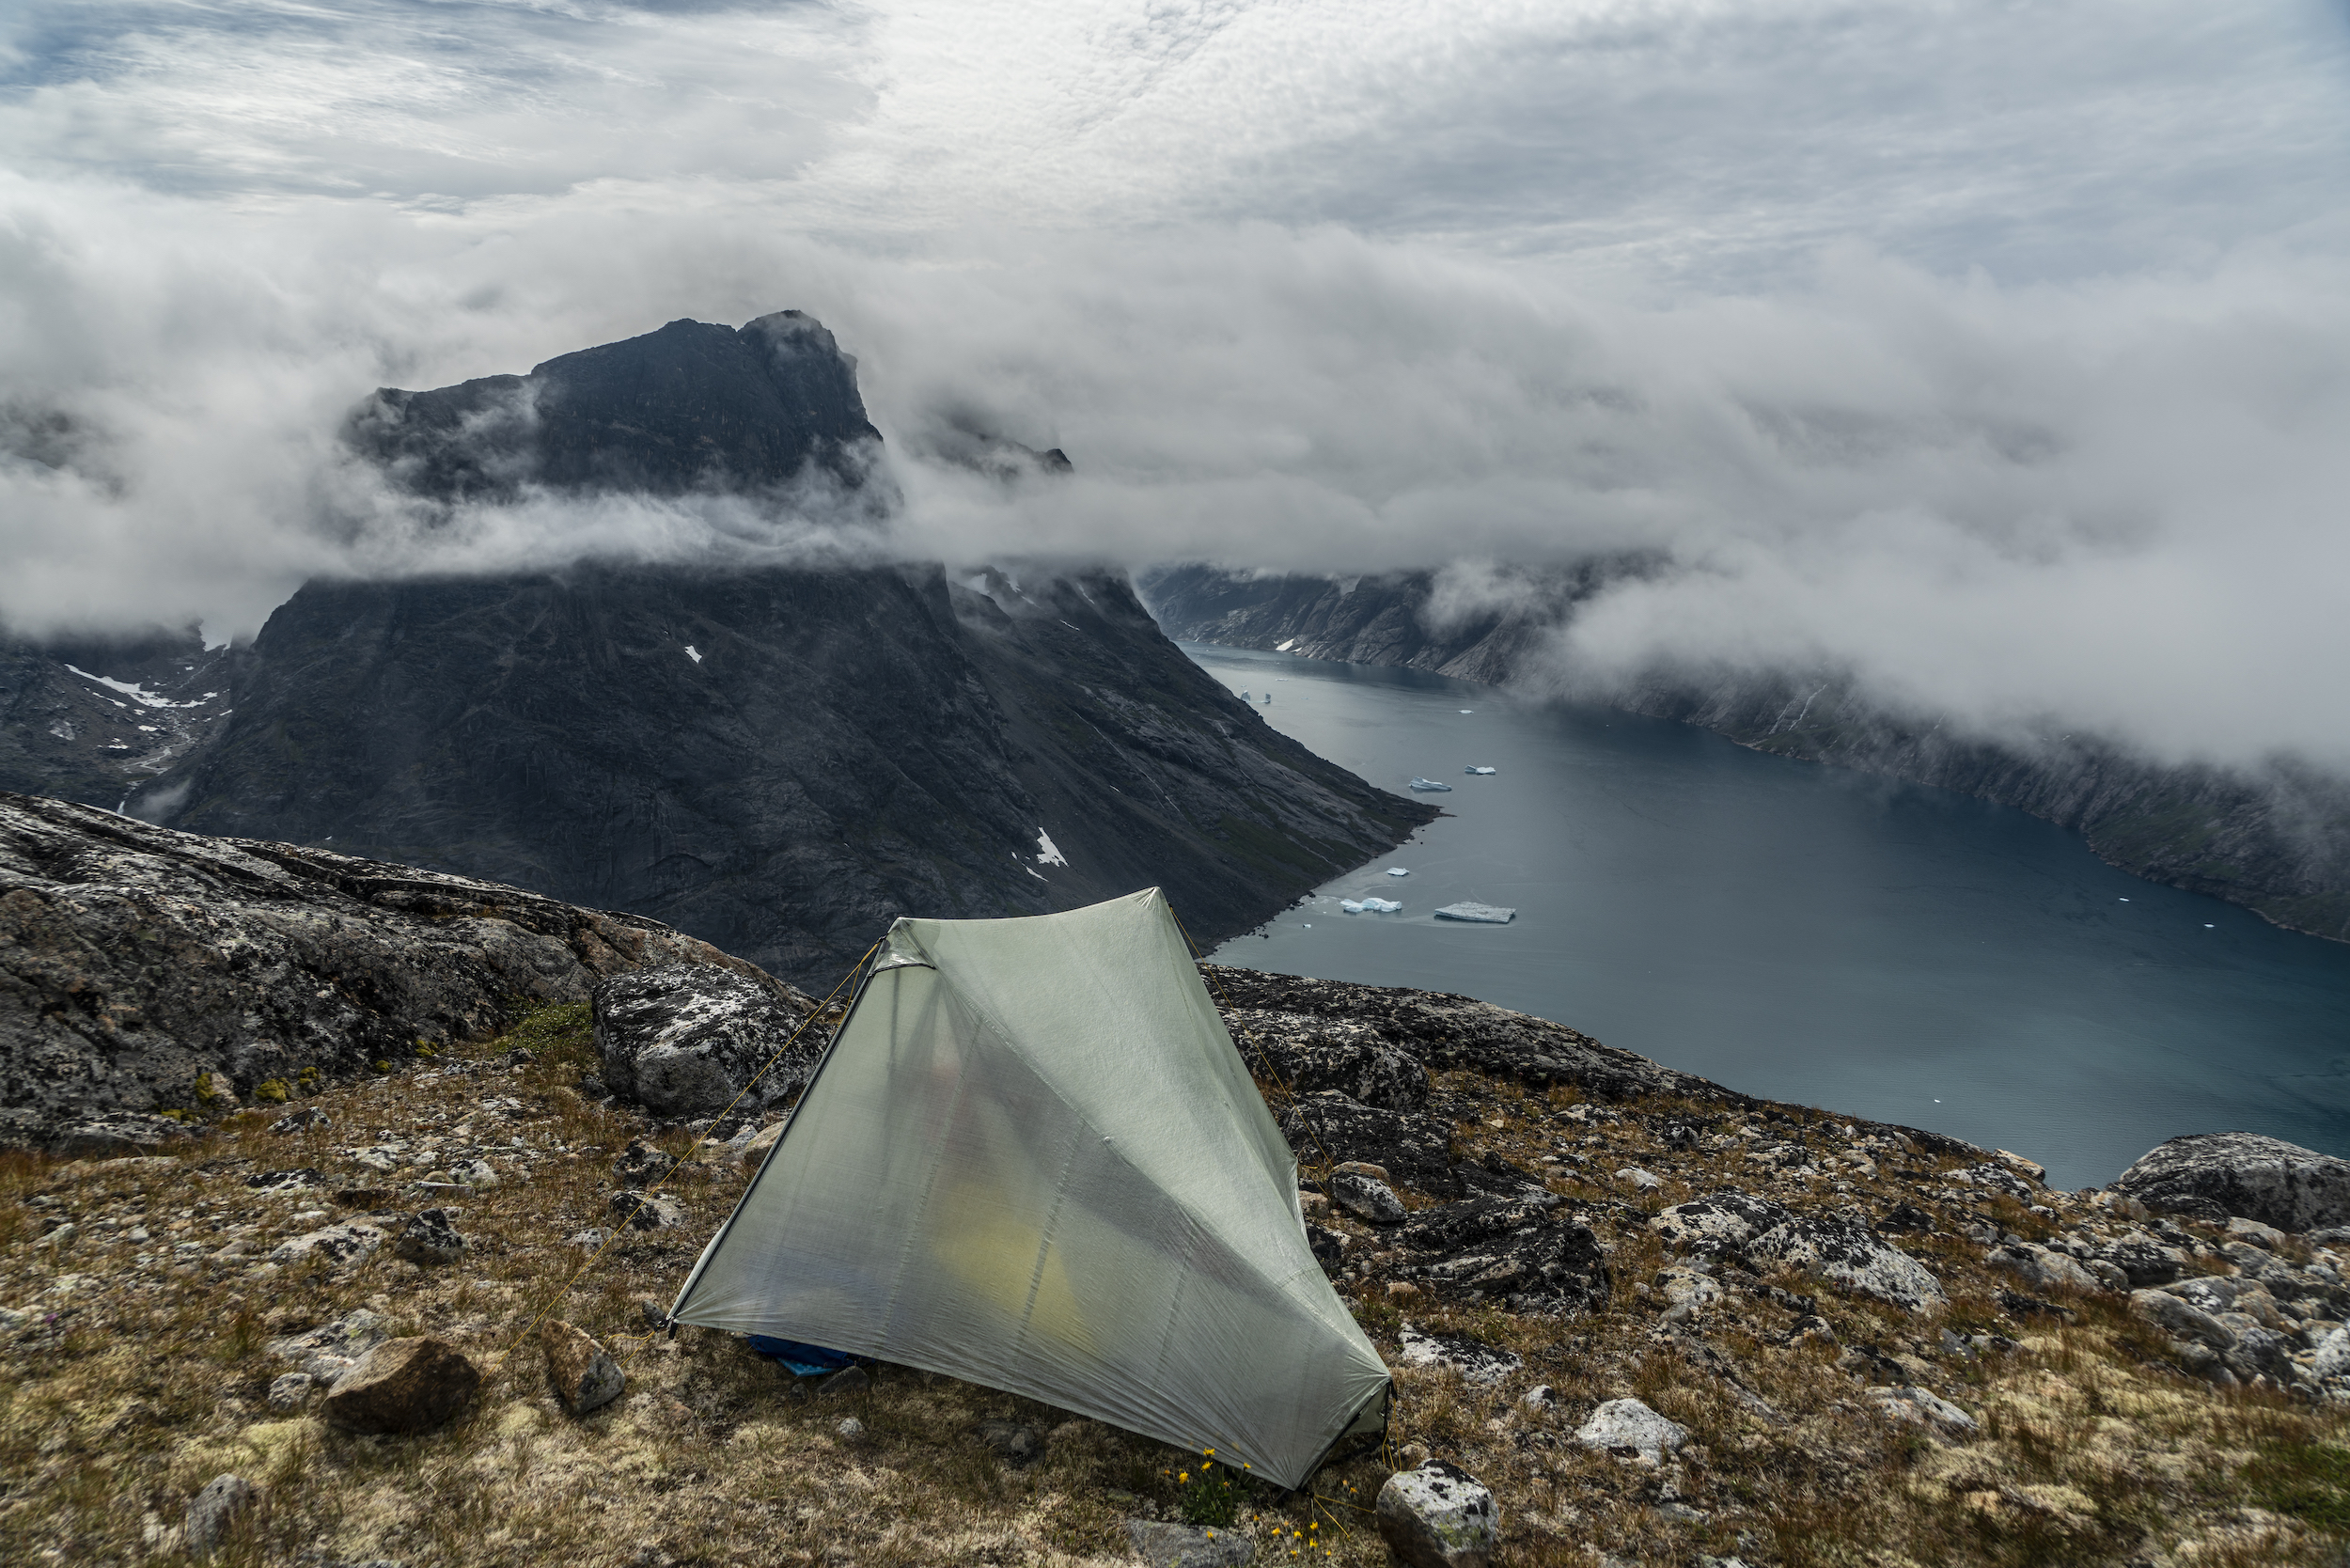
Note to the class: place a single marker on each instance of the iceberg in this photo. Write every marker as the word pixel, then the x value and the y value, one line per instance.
pixel 1369 906
pixel 1480 914
pixel 1398 871
pixel 1478 770
pixel 1426 784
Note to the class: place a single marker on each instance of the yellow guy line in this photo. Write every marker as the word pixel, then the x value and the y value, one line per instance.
pixel 651 1192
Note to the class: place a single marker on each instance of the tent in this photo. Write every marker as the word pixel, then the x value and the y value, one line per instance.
pixel 1032 1159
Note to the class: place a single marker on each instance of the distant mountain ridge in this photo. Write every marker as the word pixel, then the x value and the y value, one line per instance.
pixel 776 759
pixel 2277 844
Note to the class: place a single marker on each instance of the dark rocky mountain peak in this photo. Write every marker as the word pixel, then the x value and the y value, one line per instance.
pixel 690 407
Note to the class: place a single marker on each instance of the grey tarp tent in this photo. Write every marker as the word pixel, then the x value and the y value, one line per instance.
pixel 1032 1159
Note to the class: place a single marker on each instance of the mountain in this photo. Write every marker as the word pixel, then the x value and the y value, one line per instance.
pixel 2276 842
pixel 94 719
pixel 777 759
pixel 693 406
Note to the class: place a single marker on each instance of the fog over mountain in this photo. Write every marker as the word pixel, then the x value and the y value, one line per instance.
pixel 1997 358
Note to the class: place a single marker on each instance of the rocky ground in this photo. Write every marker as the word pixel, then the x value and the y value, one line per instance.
pixel 1662 1323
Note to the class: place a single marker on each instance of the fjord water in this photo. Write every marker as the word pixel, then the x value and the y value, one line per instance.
pixel 1807 933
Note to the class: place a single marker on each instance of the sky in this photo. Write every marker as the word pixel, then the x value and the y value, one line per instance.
pixel 1997 356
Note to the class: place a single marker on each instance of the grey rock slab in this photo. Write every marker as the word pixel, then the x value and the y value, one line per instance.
pixel 333 1244
pixel 634 1212
pixel 429 1236
pixel 1476 1363
pixel 1166 1546
pixel 2333 1355
pixel 2213 1176
pixel 1524 1251
pixel 2182 1319
pixel 1415 1148
pixel 1922 1407
pixel 1627 1425
pixel 253 960
pixel 685 1039
pixel 2040 1269
pixel 1366 1200
pixel 1719 1222
pixel 215 1512
pixel 1848 1253
pixel 1438 1517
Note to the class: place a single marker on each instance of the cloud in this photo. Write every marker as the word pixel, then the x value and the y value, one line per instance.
pixel 1993 357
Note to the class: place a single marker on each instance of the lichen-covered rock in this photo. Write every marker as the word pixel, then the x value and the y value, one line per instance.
pixel 1847 1252
pixel 635 1212
pixel 1922 1407
pixel 1311 1056
pixel 1416 1148
pixel 333 1244
pixel 684 1039
pixel 2040 1269
pixel 135 960
pixel 1366 1198
pixel 215 1512
pixel 2182 1319
pixel 640 1165
pixel 429 1236
pixel 2211 1176
pixel 331 1349
pixel 1438 1517
pixel 1628 1426
pixel 1476 1363
pixel 1524 1252
pixel 585 1375
pixel 1720 1221
pixel 2142 1260
pixel 403 1386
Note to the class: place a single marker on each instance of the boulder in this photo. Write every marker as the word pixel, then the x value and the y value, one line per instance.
pixel 2333 1355
pixel 1164 1545
pixel 1523 1250
pixel 585 1375
pixel 684 1039
pixel 1329 1247
pixel 2181 1319
pixel 1922 1406
pixel 1366 1200
pixel 1720 1221
pixel 2142 1260
pixel 214 1510
pixel 1628 1426
pixel 1632 1176
pixel 429 1236
pixel 331 1349
pixel 335 1244
pixel 2039 1269
pixel 2212 1176
pixel 640 1165
pixel 403 1386
pixel 1847 1252
pixel 292 1391
pixel 1438 1517
pixel 634 1212
pixel 1476 1363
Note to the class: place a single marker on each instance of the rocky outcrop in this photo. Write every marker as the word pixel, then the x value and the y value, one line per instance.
pixel 691 406
pixel 1300 1020
pixel 135 962
pixel 2212 1176
pixel 687 1040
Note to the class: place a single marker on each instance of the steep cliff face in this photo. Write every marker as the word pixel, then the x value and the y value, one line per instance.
pixel 778 762
pixel 2278 843
pixel 693 406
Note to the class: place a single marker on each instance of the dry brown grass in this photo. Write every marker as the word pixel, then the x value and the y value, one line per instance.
pixel 136 1383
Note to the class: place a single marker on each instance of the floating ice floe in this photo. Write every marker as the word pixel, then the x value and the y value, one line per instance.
pixel 1477 770
pixel 1369 906
pixel 1468 710
pixel 1399 871
pixel 1424 785
pixel 1481 914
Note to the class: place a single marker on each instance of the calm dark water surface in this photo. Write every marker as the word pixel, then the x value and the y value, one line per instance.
pixel 1809 933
